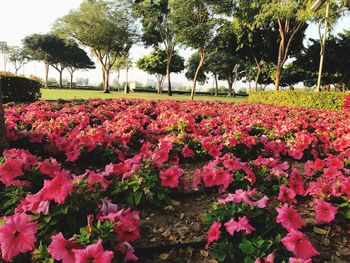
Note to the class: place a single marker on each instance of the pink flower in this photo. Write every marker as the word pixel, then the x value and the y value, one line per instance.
pixel 58 188
pixel 286 195
pixel 325 212
pixel 289 218
pixel 299 260
pixel 49 166
pixel 297 243
pixel 126 249
pixel 17 235
pixel 126 226
pixel 170 177
pixel 213 233
pixel 270 258
pixel 243 225
pixel 93 253
pixel 187 152
pixel 62 249
pixel 237 197
pixel 231 226
pixel 9 170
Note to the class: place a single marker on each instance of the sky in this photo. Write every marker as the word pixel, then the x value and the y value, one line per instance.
pixel 20 18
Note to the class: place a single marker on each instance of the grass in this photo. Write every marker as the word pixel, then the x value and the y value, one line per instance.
pixel 54 94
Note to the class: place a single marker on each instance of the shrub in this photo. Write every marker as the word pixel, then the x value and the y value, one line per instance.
pixel 302 99
pixel 19 88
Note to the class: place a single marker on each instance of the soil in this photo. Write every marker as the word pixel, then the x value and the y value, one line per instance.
pixel 174 234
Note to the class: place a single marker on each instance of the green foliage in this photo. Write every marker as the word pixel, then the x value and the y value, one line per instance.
pixel 143 186
pixel 241 247
pixel 303 99
pixel 194 23
pixel 156 62
pixel 192 65
pixel 18 57
pixel 19 89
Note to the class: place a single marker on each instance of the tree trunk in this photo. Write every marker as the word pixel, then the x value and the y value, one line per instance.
pixel 118 78
pixel 160 79
pixel 46 74
pixel 127 90
pixel 216 84
pixel 3 141
pixel 106 80
pixel 168 64
pixel 61 86
pixel 71 80
pixel 16 71
pixel 286 37
pixel 258 68
pixel 278 77
pixel 201 62
pixel 230 84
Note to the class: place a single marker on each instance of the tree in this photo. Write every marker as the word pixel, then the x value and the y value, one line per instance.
pixel 119 64
pixel 103 25
pixel 18 57
pixel 45 48
pixel 335 68
pixel 156 63
pixel 158 28
pixel 286 18
pixel 75 59
pixel 192 66
pixel 195 26
pixel 223 56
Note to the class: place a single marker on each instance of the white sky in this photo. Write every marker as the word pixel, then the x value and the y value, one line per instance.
pixel 19 18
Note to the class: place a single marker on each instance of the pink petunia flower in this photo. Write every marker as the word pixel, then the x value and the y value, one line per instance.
pixel 93 253
pixel 62 249
pixel 286 195
pixel 17 235
pixel 289 218
pixel 58 188
pixel 325 212
pixel 9 170
pixel 299 260
pixel 297 243
pixel 170 177
pixel 231 226
pixel 187 152
pixel 213 233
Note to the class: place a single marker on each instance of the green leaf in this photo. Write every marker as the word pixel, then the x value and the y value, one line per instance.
pixel 138 197
pixel 320 231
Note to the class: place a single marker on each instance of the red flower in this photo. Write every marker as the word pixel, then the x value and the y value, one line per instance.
pixel 9 170
pixel 58 188
pixel 62 249
pixel 325 212
pixel 286 195
pixel 187 152
pixel 289 218
pixel 213 233
pixel 126 226
pixel 170 177
pixel 17 235
pixel 299 260
pixel 93 253
pixel 297 243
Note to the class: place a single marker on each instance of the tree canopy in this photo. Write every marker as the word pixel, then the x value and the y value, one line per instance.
pixel 105 26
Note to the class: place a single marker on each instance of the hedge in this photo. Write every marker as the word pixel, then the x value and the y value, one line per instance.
pixel 182 92
pixel 302 99
pixel 19 88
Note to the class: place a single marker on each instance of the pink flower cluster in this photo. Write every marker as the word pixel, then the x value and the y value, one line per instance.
pixel 18 231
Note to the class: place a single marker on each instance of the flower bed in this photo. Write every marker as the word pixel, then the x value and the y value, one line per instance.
pixel 78 167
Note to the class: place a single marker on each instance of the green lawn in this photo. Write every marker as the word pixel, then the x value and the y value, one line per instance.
pixel 54 94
